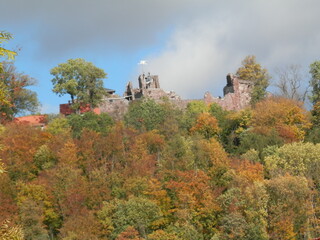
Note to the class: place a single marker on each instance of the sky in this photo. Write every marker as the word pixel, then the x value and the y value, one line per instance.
pixel 191 44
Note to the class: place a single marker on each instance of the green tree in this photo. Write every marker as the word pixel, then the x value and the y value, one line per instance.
pixel 219 113
pixel 145 115
pixel 313 135
pixel 252 140
pixel 81 80
pixel 8 54
pixel 289 208
pixel 315 81
pixel 298 159
pixel 4 99
pixel 236 124
pixel 58 125
pixel 171 123
pixel 177 154
pixel 139 213
pixel 44 158
pixel 185 231
pixel 252 71
pixel 5 102
pixel 315 112
pixel 21 98
pixel 37 212
pixel 194 109
pixel 99 123
pixel 244 208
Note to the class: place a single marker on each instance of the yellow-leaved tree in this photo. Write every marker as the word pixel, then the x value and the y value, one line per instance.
pixel 285 116
pixel 206 125
pixel 8 54
pixel 252 71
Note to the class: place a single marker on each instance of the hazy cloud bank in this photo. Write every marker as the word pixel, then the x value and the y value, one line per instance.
pixel 207 38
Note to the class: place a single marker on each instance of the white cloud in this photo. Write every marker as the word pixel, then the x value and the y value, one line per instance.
pixel 193 60
pixel 209 38
pixel 198 55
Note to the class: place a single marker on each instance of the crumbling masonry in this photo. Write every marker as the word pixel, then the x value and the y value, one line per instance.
pixel 237 95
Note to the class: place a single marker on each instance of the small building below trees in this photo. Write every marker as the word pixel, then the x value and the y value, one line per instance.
pixel 39 121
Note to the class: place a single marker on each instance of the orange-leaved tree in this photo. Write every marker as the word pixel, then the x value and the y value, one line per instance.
pixel 286 116
pixel 206 125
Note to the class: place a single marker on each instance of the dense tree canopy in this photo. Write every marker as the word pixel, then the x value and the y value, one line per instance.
pixel 138 181
pixel 145 115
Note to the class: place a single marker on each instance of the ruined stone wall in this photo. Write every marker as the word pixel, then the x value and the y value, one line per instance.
pixel 158 93
pixel 116 108
pixel 236 96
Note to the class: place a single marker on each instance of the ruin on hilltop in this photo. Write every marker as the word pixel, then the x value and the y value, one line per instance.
pixel 149 87
pixel 237 95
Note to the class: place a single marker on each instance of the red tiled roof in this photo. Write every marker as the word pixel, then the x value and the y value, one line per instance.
pixel 65 109
pixel 34 120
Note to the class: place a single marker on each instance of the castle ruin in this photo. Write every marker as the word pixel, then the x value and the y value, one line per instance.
pixel 237 95
pixel 149 87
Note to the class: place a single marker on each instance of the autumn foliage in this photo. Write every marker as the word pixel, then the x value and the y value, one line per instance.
pixel 285 116
pixel 213 174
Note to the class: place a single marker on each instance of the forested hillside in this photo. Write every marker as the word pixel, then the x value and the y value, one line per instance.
pixel 165 174
pixel 161 172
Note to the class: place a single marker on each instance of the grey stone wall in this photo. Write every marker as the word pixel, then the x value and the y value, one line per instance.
pixel 115 107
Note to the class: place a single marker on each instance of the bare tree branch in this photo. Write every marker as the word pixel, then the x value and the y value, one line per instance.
pixel 290 82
